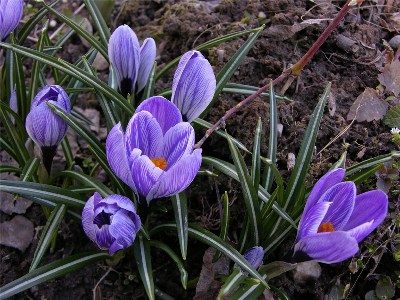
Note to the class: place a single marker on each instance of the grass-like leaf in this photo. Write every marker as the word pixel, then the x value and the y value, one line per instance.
pixel 255 158
pixel 243 89
pixel 51 271
pixel 29 169
pixel 142 253
pixel 232 282
pixel 372 162
pixel 151 81
pixel 98 21
pixel 179 204
pixel 224 222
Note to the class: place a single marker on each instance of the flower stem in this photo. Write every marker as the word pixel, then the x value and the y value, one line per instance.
pixel 295 70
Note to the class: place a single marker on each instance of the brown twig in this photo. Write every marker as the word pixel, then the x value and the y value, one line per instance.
pixel 295 70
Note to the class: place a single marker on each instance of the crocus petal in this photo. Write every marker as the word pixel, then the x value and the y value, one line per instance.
pixel 147 58
pixel 87 217
pixel 117 156
pixel 13 103
pixel 10 15
pixel 145 174
pixel 254 256
pixel 178 141
pixel 342 196
pixel 328 247
pixel 178 178
pixel 324 183
pixel 53 93
pixel 144 132
pixel 120 201
pixel 104 239
pixel 123 229
pixel 361 231
pixel 44 127
pixel 193 86
pixel 309 223
pixel 123 51
pixel 369 206
pixel 165 112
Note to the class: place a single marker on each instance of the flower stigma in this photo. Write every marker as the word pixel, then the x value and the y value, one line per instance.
pixel 326 227
pixel 159 162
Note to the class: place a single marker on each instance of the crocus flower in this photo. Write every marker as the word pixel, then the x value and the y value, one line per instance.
pixel 13 103
pixel 131 62
pixel 335 220
pixel 111 223
pixel 155 155
pixel 193 86
pixel 44 127
pixel 10 15
pixel 254 256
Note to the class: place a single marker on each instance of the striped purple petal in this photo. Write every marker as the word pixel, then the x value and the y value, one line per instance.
pixel 254 256
pixel 310 222
pixel 10 15
pixel 145 174
pixel 165 112
pixel 328 247
pixel 194 85
pixel 147 58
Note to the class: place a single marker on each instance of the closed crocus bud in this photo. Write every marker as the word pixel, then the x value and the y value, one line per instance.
pixel 124 51
pixel 10 15
pixel 13 103
pixel 193 86
pixel 147 58
pixel 254 256
pixel 335 219
pixel 111 223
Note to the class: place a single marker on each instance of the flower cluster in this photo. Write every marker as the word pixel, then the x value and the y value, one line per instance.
pixel 10 15
pixel 335 220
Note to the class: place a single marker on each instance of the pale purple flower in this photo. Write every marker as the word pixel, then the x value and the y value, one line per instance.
pixel 254 256
pixel 193 86
pixel 131 62
pixel 335 220
pixel 111 223
pixel 10 15
pixel 13 103
pixel 44 127
pixel 155 155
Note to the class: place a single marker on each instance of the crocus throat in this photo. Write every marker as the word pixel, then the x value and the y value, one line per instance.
pixel 159 162
pixel 326 227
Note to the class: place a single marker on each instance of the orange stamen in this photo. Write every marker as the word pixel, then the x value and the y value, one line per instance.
pixel 326 227
pixel 159 163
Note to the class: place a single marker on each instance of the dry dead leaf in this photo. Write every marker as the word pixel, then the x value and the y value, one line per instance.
pixel 368 106
pixel 390 77
pixel 284 32
pixel 16 233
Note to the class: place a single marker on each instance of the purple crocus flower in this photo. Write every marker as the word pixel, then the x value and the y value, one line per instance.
pixel 10 15
pixel 335 220
pixel 131 62
pixel 194 85
pixel 254 256
pixel 155 155
pixel 13 103
pixel 111 223
pixel 44 127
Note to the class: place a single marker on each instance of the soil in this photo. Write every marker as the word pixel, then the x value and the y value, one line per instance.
pixel 177 27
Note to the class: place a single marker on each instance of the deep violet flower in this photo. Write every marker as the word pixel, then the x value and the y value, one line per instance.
pixel 335 220
pixel 155 155
pixel 254 256
pixel 193 86
pixel 10 15
pixel 44 127
pixel 111 223
pixel 131 62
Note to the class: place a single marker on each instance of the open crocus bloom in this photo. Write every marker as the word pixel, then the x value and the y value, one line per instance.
pixel 131 62
pixel 335 220
pixel 111 223
pixel 155 155
pixel 194 85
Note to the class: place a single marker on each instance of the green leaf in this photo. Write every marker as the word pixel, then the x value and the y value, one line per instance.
pixel 43 191
pixel 151 81
pixel 232 282
pixel 249 194
pixel 69 158
pixel 89 181
pixel 276 268
pixel 392 117
pixel 179 204
pixel 255 159
pixel 243 89
pixel 363 175
pixel 296 181
pixel 48 234
pixel 142 253
pixel 30 169
pixel 75 72
pixel 175 258
pixel 9 169
pixel 51 271
pixel 214 241
pixel 250 290
pixel 372 162
pixel 98 21
pixel 207 45
pixel 227 71
pixel 224 223
pixel 268 177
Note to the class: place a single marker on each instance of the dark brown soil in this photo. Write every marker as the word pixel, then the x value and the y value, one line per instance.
pixel 178 26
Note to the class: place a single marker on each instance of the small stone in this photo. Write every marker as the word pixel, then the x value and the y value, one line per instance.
pixel 262 15
pixel 395 42
pixel 100 63
pixel 53 23
pixel 16 233
pixel 308 271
